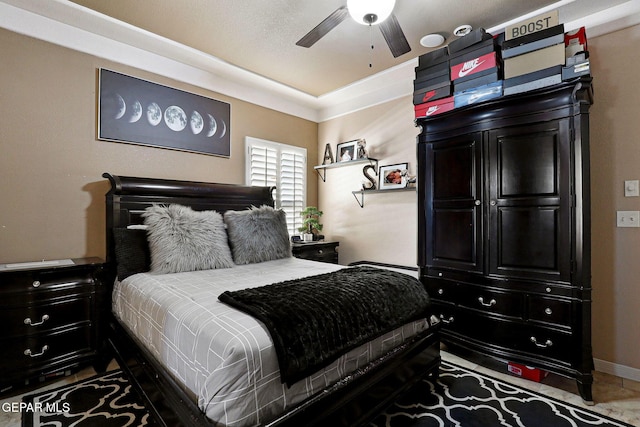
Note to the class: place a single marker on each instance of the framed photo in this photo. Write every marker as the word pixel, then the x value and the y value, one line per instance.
pixel 137 111
pixel 347 151
pixel 393 176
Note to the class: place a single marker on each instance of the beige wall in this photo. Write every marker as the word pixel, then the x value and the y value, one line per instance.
pixel 385 229
pixel 615 157
pixel 51 190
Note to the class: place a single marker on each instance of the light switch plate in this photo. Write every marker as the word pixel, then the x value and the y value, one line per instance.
pixel 631 188
pixel 628 218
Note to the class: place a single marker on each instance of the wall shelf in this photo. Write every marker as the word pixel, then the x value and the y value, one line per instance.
pixel 323 168
pixel 363 192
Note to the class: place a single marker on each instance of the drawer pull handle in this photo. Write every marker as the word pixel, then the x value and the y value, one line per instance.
pixel 440 291
pixel 547 343
pixel 548 311
pixel 28 321
pixel 487 304
pixel 27 352
pixel 320 251
pixel 449 320
pixel 36 283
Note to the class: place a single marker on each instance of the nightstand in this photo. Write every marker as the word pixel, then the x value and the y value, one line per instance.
pixel 317 251
pixel 51 318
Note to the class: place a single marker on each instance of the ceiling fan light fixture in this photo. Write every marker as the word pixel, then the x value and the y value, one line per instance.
pixel 370 12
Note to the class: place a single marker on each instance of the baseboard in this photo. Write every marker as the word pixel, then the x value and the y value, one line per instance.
pixel 618 370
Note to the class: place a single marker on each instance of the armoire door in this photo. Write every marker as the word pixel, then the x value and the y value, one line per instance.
pixel 529 199
pixel 453 194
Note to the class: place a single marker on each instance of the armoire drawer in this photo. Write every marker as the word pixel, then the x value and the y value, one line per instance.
pixel 440 289
pixel 549 310
pixel 513 335
pixel 444 312
pixel 491 301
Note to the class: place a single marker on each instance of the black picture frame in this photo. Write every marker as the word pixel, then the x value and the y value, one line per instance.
pixel 136 111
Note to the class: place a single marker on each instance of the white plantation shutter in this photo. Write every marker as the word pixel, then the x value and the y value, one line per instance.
pixel 283 166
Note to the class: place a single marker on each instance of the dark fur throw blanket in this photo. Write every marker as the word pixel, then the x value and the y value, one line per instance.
pixel 314 320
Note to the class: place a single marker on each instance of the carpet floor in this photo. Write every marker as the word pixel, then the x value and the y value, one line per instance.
pixel 459 397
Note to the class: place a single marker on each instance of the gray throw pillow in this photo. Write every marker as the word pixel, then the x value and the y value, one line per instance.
pixel 181 239
pixel 258 234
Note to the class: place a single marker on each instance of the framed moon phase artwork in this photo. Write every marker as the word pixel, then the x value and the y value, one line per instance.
pixel 137 111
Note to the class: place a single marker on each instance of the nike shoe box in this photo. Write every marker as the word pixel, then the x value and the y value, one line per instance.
pixel 435 70
pixel 432 58
pixel 464 42
pixel 476 58
pixel 474 66
pixel 432 76
pixel 422 96
pixel 534 41
pixel 477 79
pixel 433 108
pixel 432 80
pixel 534 61
pixel 478 94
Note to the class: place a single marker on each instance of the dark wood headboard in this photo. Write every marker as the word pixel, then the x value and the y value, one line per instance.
pixel 130 196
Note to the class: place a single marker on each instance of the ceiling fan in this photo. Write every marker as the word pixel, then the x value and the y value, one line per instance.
pixel 366 12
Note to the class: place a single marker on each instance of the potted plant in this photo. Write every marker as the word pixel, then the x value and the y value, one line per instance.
pixel 311 224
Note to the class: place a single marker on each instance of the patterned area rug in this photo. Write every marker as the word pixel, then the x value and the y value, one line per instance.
pixel 102 401
pixel 464 398
pixel 460 398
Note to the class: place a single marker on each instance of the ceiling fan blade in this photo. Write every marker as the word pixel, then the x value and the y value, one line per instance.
pixel 324 27
pixel 394 36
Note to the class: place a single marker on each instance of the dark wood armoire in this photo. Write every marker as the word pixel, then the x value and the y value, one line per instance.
pixel 504 227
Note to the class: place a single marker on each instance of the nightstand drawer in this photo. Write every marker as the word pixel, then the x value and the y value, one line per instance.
pixel 45 317
pixel 40 350
pixel 42 285
pixel 316 251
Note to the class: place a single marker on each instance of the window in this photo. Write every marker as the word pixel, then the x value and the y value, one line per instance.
pixel 283 166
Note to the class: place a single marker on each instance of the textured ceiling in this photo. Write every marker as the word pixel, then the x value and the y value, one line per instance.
pixel 260 35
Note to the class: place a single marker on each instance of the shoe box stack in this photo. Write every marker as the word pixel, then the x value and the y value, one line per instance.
pixel 432 87
pixel 577 54
pixel 533 60
pixel 478 66
pixel 542 56
pixel 476 69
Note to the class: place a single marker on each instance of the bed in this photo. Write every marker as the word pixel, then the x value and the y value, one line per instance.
pixel 166 330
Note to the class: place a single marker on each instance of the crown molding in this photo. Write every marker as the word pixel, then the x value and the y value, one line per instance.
pixel 75 27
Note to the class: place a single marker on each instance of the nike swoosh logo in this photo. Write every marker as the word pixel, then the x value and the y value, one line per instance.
pixel 432 110
pixel 463 73
pixel 428 96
